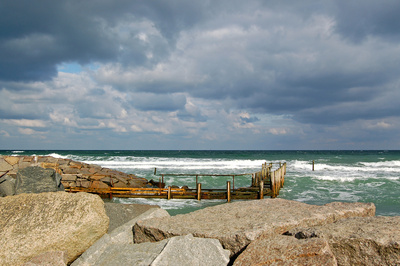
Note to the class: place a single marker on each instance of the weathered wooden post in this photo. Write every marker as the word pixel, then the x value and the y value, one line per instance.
pixel 313 165
pixel 169 193
pixel 155 171
pixel 198 191
pixel 252 180
pixel 197 179
pixel 228 191
pixel 273 185
pixel 261 188
pixel 233 182
pixel 162 181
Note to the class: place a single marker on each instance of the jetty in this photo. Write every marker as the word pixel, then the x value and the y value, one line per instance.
pixel 264 183
pixel 82 177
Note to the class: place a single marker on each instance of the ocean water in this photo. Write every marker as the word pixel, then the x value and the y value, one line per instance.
pixel 349 176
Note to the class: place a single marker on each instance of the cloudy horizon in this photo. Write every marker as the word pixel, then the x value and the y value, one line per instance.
pixel 182 74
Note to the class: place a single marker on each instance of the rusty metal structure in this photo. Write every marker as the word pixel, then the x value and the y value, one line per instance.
pixel 265 183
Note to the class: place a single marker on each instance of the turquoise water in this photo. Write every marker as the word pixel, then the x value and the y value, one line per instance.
pixel 350 176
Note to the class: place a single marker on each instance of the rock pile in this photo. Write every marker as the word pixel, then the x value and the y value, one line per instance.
pixel 117 248
pixel 73 173
pixel 283 232
pixel 262 232
pixel 237 224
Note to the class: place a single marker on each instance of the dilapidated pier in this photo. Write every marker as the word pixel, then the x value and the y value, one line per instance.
pixel 265 183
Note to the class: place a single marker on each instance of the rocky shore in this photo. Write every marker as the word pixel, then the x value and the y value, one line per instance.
pixel 65 172
pixel 58 228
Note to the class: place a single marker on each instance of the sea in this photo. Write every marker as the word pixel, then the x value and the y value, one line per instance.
pixel 346 176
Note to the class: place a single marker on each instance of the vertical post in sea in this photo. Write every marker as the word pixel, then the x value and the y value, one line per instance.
pixel 228 191
pixel 169 193
pixel 313 165
pixel 261 188
pixel 155 171
pixel 198 191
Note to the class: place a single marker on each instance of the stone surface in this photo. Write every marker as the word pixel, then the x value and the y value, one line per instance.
pixel 31 224
pixel 51 258
pixel 4 166
pixel 287 250
pixel 128 254
pixel 361 241
pixel 121 235
pixel 120 214
pixel 183 250
pixel 12 160
pixel 35 179
pixel 7 186
pixel 237 224
pixel 189 250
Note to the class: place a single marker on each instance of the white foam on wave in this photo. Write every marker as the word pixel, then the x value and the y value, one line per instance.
pixel 171 204
pixel 18 151
pixel 56 155
pixel 177 163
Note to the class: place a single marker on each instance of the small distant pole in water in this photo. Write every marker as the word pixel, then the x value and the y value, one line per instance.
pixel 155 171
pixel 313 165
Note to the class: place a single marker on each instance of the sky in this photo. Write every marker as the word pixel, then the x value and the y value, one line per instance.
pixel 179 74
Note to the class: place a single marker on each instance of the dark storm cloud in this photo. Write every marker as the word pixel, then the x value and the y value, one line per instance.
pixel 201 66
pixel 36 36
pixel 360 19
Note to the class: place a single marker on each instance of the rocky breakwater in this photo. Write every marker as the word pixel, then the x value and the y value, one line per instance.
pixel 284 232
pixel 71 173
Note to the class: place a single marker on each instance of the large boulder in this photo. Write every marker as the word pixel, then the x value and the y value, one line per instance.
pixel 7 186
pixel 359 241
pixel 120 214
pixel 189 250
pixel 182 250
pixel 35 179
pixel 31 224
pixel 287 250
pixel 239 223
pixel 50 258
pixel 120 236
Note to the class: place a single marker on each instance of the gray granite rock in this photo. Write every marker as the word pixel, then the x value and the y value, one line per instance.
pixel 31 224
pixel 360 241
pixel 120 214
pixel 7 186
pixel 128 254
pixel 287 250
pixel 35 179
pixel 121 235
pixel 189 250
pixel 237 224
pixel 183 250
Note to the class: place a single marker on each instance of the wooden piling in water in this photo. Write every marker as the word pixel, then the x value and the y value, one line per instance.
pixel 261 188
pixel 313 165
pixel 228 191
pixel 198 191
pixel 169 193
